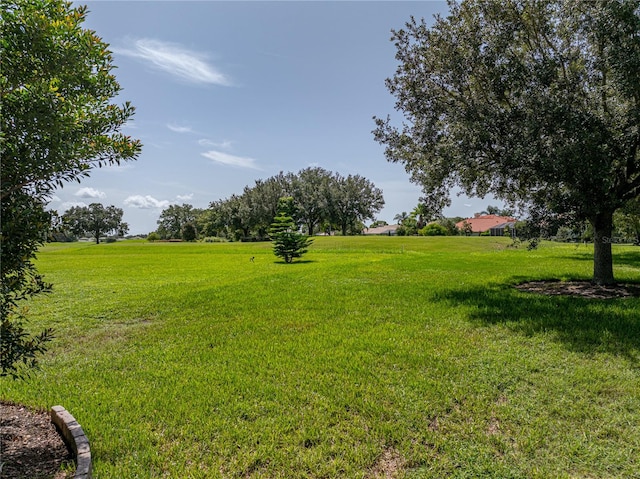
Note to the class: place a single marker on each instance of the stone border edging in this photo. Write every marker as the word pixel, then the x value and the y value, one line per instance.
pixel 75 439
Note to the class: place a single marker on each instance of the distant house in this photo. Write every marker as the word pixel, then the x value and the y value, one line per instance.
pixel 386 230
pixel 493 224
pixel 499 230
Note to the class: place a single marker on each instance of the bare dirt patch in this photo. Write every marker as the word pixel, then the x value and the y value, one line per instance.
pixel 30 446
pixel 584 289
pixel 388 466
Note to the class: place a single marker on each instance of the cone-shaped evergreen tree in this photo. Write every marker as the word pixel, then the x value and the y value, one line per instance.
pixel 287 242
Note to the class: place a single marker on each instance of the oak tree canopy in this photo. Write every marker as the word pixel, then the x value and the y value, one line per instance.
pixel 537 102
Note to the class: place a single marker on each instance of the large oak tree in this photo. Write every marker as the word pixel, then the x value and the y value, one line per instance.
pixel 537 102
pixel 353 199
pixel 95 220
pixel 174 218
pixel 57 123
pixel 311 191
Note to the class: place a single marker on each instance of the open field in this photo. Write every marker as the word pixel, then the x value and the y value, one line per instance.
pixel 372 356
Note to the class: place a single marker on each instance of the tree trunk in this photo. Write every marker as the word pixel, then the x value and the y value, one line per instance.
pixel 602 256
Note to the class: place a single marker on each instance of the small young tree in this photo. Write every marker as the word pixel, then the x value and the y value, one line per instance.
pixel 287 242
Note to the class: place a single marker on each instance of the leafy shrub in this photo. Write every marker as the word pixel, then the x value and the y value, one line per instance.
pixel 450 225
pixel 433 229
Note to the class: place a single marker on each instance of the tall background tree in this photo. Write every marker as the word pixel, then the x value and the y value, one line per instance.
pixel 94 220
pixel 353 199
pixel 173 219
pixel 400 217
pixel 311 190
pixel 189 232
pixel 57 124
pixel 536 102
pixel 496 210
pixel 627 221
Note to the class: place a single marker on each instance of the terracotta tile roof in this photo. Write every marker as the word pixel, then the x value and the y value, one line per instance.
pixel 483 223
pixel 381 230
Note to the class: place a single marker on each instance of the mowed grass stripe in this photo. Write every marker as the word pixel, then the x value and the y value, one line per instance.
pixel 189 360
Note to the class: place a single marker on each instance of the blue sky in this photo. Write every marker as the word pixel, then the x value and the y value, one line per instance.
pixel 230 92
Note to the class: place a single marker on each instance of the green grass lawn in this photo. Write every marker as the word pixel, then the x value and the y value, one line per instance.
pixel 371 354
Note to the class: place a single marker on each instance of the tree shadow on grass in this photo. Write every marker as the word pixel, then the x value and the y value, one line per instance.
pixel 630 258
pixel 302 261
pixel 583 325
pixel 620 258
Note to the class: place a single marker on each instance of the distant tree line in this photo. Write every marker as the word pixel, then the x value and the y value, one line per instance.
pixel 323 201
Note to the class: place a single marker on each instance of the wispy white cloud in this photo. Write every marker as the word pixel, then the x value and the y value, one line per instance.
pixel 175 60
pixel 231 160
pixel 90 193
pixel 179 129
pixel 225 144
pixel 185 197
pixel 145 202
